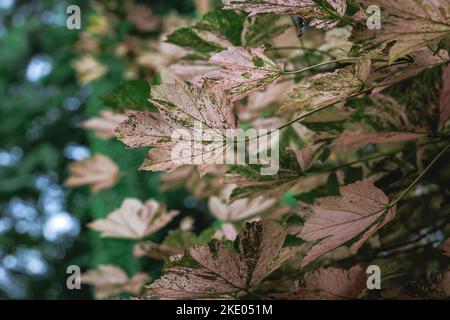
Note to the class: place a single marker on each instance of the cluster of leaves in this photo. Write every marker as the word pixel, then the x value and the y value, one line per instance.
pixel 363 176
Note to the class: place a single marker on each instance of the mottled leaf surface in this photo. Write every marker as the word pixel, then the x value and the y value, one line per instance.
pixel 243 71
pixel 223 267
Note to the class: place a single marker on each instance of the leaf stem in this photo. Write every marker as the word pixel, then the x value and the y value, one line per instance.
pixel 318 65
pixel 419 177
pixel 333 12
pixel 300 49
pixel 324 107
pixel 379 155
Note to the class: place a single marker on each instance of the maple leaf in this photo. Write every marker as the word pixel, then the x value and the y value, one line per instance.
pixel 335 283
pixel 98 171
pixel 361 210
pixel 444 104
pixel 320 16
pixel 105 125
pixel 134 220
pixel 220 268
pixel 244 71
pixel 110 280
pixel 358 140
pixel 411 24
pixel 328 88
pixel 181 108
pixel 329 284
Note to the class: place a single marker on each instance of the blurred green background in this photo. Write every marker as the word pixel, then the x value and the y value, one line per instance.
pixel 42 223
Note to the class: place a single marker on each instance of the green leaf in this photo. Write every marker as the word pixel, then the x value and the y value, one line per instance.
pixel 260 29
pixel 226 25
pixel 353 174
pixel 130 95
pixel 333 184
pixel 188 38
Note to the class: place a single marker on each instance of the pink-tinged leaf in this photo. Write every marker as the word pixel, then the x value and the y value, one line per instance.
pixel 358 140
pixel 328 88
pixel 98 171
pixel 361 210
pixel 335 283
pixel 219 268
pixel 329 284
pixel 243 71
pixel 134 220
pixel 109 280
pixel 444 104
pixel 174 131
pixel 307 9
pixel 105 125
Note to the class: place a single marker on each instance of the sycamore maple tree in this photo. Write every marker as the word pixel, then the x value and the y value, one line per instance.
pixel 363 117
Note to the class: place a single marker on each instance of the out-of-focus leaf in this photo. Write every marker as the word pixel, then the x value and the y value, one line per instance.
pixel 98 171
pixel 134 220
pixel 104 125
pixel 110 280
